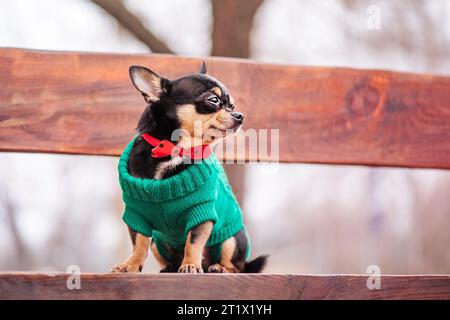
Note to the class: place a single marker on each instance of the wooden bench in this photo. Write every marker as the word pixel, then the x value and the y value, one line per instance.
pixel 83 103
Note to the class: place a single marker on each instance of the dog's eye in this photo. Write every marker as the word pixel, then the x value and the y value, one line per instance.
pixel 214 100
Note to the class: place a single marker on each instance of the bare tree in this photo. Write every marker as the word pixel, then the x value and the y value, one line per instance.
pixel 133 24
pixel 23 257
pixel 232 25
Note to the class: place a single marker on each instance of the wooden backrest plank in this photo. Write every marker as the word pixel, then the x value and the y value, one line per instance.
pixel 84 103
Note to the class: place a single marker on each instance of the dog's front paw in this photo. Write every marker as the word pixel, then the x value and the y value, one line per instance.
pixel 190 268
pixel 217 268
pixel 126 267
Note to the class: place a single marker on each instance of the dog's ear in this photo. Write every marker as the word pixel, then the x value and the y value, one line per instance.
pixel 202 68
pixel 149 83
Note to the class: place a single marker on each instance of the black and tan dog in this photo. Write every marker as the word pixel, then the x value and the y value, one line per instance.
pixel 180 104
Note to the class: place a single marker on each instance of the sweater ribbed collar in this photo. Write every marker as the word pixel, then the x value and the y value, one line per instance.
pixel 186 182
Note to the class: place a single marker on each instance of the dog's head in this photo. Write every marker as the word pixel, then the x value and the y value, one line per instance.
pixel 198 104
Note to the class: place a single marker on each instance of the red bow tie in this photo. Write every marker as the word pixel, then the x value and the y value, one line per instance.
pixel 165 148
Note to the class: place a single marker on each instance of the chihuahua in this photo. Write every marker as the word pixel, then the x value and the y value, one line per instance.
pixel 197 101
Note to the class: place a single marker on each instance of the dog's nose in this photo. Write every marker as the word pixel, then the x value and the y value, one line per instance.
pixel 238 116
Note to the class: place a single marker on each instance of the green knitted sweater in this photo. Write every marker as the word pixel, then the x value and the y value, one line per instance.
pixel 167 209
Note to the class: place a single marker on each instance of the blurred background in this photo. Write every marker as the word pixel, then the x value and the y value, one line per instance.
pixel 58 210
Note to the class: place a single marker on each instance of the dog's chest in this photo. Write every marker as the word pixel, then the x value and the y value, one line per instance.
pixel 165 168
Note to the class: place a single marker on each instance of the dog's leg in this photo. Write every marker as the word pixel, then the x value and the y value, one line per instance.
pixel 232 256
pixel 226 265
pixel 166 266
pixel 159 258
pixel 135 262
pixel 193 250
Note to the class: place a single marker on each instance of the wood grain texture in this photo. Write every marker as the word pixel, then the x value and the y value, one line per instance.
pixel 84 103
pixel 209 286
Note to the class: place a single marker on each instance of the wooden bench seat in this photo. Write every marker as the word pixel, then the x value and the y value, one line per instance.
pixel 219 286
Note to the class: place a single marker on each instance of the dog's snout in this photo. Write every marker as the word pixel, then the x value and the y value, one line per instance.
pixel 238 116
